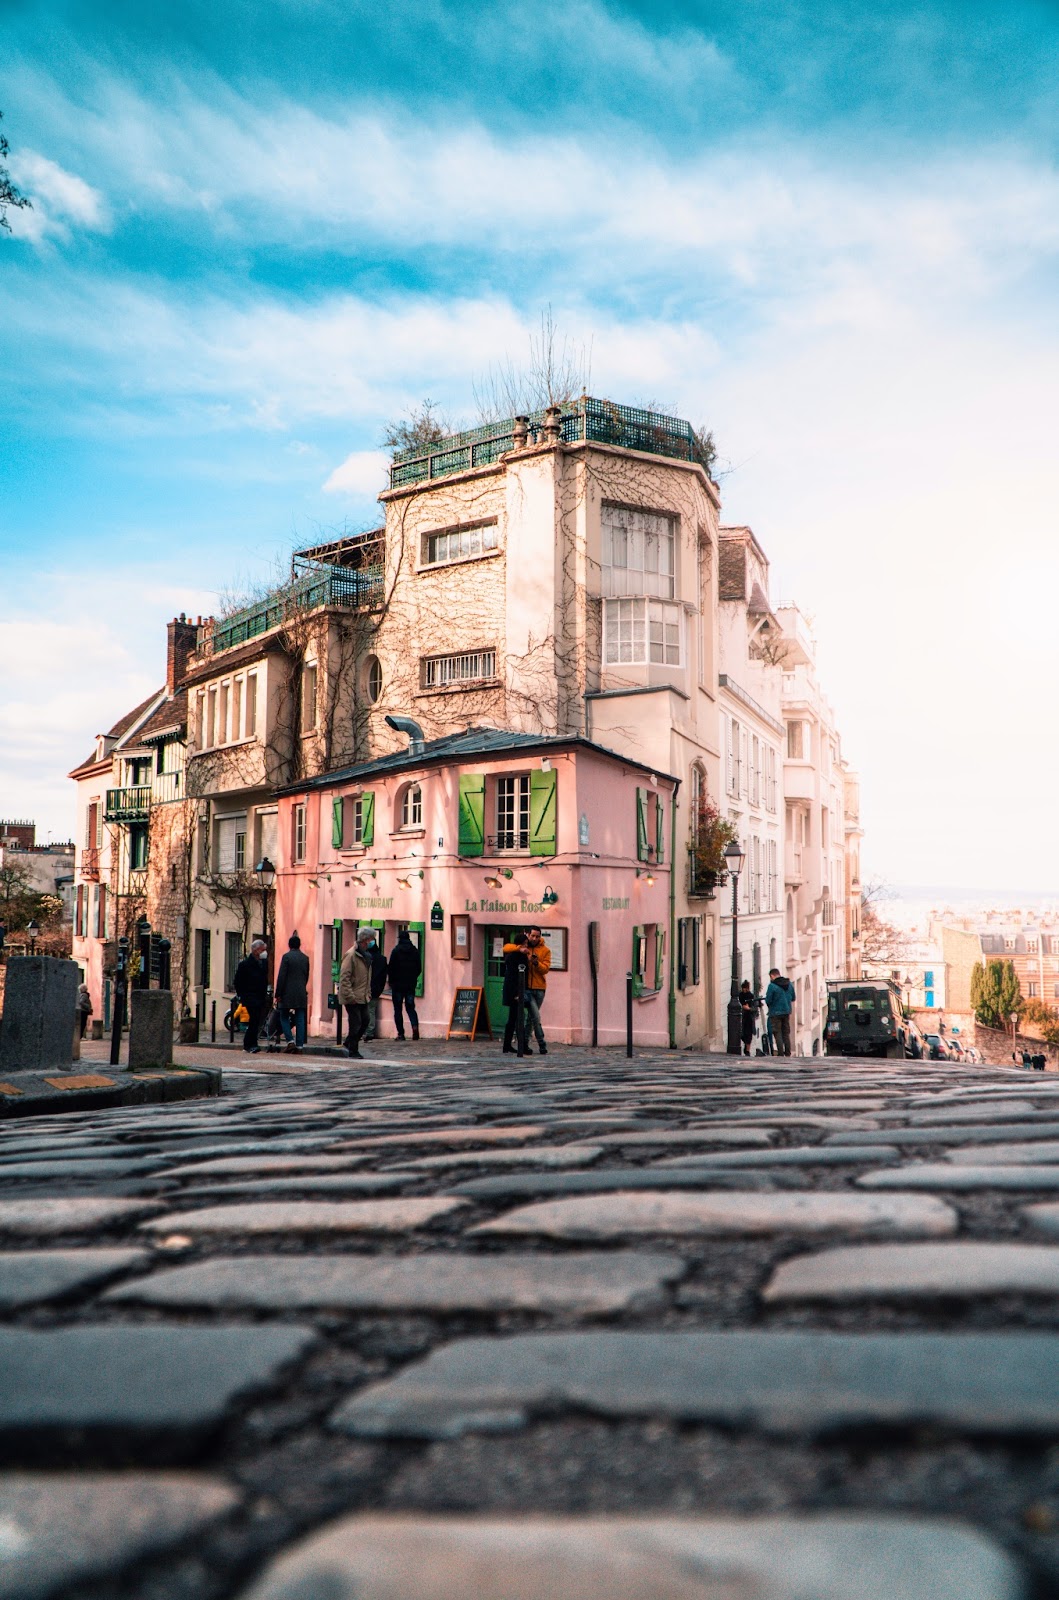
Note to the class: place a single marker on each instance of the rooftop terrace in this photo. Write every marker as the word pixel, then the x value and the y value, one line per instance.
pixel 599 421
pixel 312 586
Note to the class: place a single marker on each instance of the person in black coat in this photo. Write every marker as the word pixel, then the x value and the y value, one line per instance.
pixel 378 983
pixel 516 973
pixel 292 992
pixel 251 987
pixel 403 969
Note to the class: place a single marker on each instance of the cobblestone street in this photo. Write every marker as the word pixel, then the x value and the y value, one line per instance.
pixel 444 1324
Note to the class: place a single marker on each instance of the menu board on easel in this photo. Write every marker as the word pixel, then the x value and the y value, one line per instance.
pixel 470 1015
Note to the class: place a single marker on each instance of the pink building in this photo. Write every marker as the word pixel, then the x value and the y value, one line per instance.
pixel 464 840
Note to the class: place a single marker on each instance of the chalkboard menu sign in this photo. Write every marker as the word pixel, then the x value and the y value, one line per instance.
pixel 470 1015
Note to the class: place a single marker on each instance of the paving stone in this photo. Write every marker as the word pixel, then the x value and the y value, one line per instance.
pixel 689 1136
pixel 443 1281
pixel 236 1166
pixel 549 1155
pixel 74 1215
pixel 512 1185
pixel 793 1156
pixel 28 1277
pixel 310 1216
pixel 786 1382
pixel 57 1529
pixel 1029 1152
pixel 310 1182
pixel 1045 1218
pixel 952 1115
pixel 103 1168
pixel 111 1380
pixel 640 1558
pixel 485 1134
pixel 610 1216
pixel 940 1175
pixel 950 1133
pixel 963 1268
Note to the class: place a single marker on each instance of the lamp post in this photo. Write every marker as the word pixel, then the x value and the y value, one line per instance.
pixel 266 877
pixel 734 858
pixel 1013 1018
pixel 32 929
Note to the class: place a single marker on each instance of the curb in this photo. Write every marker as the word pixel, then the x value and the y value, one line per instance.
pixel 34 1094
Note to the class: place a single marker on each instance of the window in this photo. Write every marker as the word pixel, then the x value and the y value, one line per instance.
pixel 412 807
pixel 363 814
pixel 1031 947
pixel 229 843
pixel 202 957
pixel 222 713
pixel 734 758
pixel 650 826
pixel 688 960
pixel 159 761
pixel 1031 991
pixel 1009 944
pixel 233 954
pixel 237 709
pixel 457 544
pixel 211 720
pixel 139 772
pixel 648 958
pixel 639 632
pixel 770 778
pixel 298 832
pixel 372 679
pixel 138 846
pixel 309 699
pixel 240 851
pixel 755 771
pixel 251 704
pixel 512 812
pixel 442 672
pixel 92 826
pixel 100 898
pixel 639 553
pixel 796 750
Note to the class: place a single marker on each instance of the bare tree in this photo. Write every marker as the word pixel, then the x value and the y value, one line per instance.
pixel 9 194
pixel 556 372
pixel 881 942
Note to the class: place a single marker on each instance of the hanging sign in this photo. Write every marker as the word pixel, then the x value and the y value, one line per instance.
pixel 437 917
pixel 469 1018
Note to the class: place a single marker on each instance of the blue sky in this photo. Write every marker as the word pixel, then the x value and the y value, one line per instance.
pixel 260 231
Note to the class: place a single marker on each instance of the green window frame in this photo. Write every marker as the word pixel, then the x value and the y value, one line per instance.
pixel 660 831
pixel 419 928
pixel 642 849
pixel 471 841
pixel 338 814
pixel 639 958
pixel 660 958
pixel 544 806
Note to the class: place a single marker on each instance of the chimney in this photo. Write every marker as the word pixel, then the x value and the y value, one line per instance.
pixel 182 637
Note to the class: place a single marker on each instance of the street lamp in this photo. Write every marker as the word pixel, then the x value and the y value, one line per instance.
pixel 1013 1018
pixel 734 858
pixel 33 929
pixel 266 877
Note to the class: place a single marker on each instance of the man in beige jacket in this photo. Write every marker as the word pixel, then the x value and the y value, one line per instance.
pixel 354 990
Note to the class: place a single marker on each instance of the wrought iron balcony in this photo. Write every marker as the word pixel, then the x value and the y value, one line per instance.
pixel 90 863
pixel 315 585
pixel 702 882
pixel 128 805
pixel 584 419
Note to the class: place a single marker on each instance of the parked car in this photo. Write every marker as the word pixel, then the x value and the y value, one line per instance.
pixel 938 1048
pixel 864 1019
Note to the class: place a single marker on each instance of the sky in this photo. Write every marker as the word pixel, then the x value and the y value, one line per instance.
pixel 263 229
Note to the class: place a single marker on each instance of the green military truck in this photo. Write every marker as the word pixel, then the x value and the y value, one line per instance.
pixel 864 1019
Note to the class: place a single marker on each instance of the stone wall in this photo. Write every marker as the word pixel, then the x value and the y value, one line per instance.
pixel 996 1047
pixel 168 886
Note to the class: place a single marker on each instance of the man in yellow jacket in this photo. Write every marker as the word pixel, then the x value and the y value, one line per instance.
pixel 540 959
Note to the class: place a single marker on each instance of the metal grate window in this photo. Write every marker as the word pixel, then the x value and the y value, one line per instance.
pixel 439 672
pixel 512 813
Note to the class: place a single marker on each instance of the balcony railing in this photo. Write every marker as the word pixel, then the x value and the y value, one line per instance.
pixel 703 883
pixel 585 419
pixel 128 805
pixel 354 588
pixel 90 864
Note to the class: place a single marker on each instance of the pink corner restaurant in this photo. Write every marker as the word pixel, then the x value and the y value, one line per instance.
pixel 468 839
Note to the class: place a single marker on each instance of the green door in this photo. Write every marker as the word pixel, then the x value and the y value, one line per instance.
pixel 417 932
pixel 495 940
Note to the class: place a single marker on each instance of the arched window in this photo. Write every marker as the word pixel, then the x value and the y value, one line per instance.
pixel 410 814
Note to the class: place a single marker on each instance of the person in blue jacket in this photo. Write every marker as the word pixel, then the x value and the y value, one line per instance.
pixel 779 998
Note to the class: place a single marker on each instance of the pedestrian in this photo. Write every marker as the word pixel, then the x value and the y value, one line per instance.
pixel 378 981
pixel 779 998
pixel 292 993
pixel 251 987
pixel 354 991
pixel 516 978
pixel 747 1015
pixel 403 969
pixel 540 960
pixel 84 1007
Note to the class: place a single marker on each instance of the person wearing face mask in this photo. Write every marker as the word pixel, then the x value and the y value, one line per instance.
pixel 540 959
pixel 251 987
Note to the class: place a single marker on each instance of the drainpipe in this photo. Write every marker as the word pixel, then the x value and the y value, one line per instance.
pixel 673 918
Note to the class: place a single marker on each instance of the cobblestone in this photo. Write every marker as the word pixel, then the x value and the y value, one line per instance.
pixel 332 1296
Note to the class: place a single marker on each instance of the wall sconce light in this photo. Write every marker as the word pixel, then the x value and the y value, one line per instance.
pixel 549 897
pixel 492 883
pixel 406 883
pixel 502 872
pixel 647 875
pixel 546 765
pixel 357 879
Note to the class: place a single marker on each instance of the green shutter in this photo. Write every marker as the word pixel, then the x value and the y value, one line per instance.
pixel 543 808
pixel 420 928
pixel 660 831
pixel 638 937
pixel 367 819
pixel 337 812
pixel 660 956
pixel 472 814
pixel 336 950
pixel 641 824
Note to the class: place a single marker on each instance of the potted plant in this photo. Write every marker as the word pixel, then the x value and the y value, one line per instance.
pixel 710 833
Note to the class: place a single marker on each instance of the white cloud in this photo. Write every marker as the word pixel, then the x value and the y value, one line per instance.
pixel 61 200
pixel 362 473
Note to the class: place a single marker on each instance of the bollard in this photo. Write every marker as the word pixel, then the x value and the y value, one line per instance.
pixel 338 1022
pixel 213 1022
pixel 231 1021
pixel 628 1014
